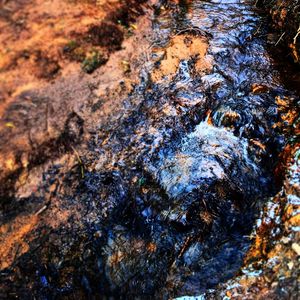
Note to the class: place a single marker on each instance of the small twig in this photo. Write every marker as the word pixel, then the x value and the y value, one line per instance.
pixel 41 210
pixel 185 245
pixel 47 116
pixel 77 155
pixel 80 161
pixel 258 29
pixel 280 39
pixel 296 36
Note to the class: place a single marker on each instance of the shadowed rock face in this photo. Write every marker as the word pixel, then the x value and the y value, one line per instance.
pixel 284 17
pixel 164 195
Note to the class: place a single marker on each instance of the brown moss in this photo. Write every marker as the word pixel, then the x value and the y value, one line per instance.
pixel 106 34
pixel 127 13
pixel 45 67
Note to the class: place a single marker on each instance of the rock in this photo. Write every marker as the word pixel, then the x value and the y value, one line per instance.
pixel 193 254
pixel 207 157
pixel 296 248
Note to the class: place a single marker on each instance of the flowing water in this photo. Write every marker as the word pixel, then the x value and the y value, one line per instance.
pixel 181 170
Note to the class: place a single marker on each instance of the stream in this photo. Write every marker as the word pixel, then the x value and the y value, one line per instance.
pixel 174 180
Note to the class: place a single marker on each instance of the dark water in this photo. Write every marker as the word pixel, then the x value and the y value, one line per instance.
pixel 181 172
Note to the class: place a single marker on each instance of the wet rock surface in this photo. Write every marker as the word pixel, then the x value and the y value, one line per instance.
pixel 161 199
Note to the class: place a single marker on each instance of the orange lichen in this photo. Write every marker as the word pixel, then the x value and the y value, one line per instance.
pixel 258 144
pixel 116 257
pixel 259 88
pixel 206 217
pixel 209 118
pixel 151 247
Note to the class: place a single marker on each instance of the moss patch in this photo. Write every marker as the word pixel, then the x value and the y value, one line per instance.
pixel 93 61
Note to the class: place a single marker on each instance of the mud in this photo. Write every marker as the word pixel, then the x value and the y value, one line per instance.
pixel 34 118
pixel 169 183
